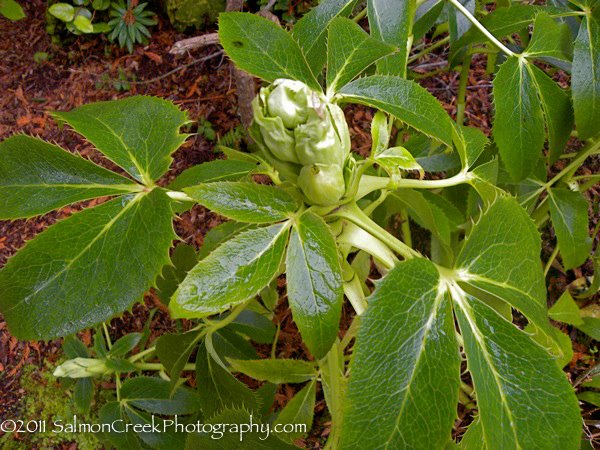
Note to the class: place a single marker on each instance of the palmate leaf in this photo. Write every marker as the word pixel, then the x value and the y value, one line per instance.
pixel 49 178
pixel 518 122
pixel 585 78
pixel 406 366
pixel 264 49
pixel 405 100
pixel 350 51
pixel 314 283
pixel 405 369
pixel 245 202
pixel 391 22
pixel 569 214
pixel 137 133
pixel 311 30
pixel 49 290
pixel 233 273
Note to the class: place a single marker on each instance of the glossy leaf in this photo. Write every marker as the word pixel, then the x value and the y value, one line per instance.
pixel 137 133
pixel 220 234
pixel 276 371
pixel 153 395
pixel 558 112
pixel 125 344
pixel 524 399
pixel 299 410
pixel 350 52
pixel 255 326
pixel 49 290
pixel 506 233
pixel 566 310
pixel 49 178
pixel 391 21
pixel 405 100
pixel 236 419
pixel 518 122
pixel 397 158
pixel 406 366
pixel 311 30
pixel 585 77
pixel 245 202
pixel 569 214
pixel 217 170
pixel 551 39
pixel 233 273
pixel 62 11
pixel 314 283
pixel 11 10
pixel 174 351
pixel 218 389
pixel 259 46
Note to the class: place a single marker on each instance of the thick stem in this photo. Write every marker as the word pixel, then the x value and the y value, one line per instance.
pixel 355 215
pixel 357 237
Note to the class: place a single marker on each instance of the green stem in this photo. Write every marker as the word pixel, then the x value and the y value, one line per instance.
pixel 405 228
pixel 550 261
pixel 141 355
pixel 429 49
pixel 361 15
pixel 189 367
pixel 181 196
pixel 594 147
pixel 481 28
pixel 354 214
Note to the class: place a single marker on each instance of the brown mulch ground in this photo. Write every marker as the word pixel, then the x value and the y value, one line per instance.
pixel 83 71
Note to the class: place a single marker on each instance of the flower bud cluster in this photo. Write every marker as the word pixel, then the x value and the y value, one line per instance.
pixel 305 137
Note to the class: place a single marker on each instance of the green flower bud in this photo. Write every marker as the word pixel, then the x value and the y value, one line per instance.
pixel 82 368
pixel 297 125
pixel 289 100
pixel 322 184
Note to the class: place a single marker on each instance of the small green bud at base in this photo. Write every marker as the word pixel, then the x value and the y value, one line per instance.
pixel 323 185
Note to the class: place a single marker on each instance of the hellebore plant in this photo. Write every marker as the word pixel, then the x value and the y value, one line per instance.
pixel 435 332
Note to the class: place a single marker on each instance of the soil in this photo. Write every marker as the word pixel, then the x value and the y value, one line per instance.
pixel 202 82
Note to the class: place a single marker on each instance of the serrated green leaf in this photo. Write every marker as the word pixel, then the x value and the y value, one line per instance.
pixel 299 410
pixel 167 438
pixel 474 145
pixel 259 46
pixel 218 389
pixel 512 374
pixel 217 170
pixel 314 283
pixel 125 344
pixel 518 122
pixel 245 202
pixel 397 158
pixel 558 112
pixel 405 100
pixel 49 178
pixel 154 395
pixel 110 413
pixel 350 51
pixel 585 77
pixel 62 11
pixel 501 258
pixel 566 310
pixel 311 30
pixel 405 346
pixel 276 371
pixel 255 326
pixel 551 39
pixel 391 21
pixel 220 234
pixel 237 419
pixel 49 290
pixel 183 259
pixel 83 394
pixel 233 273
pixel 560 339
pixel 11 10
pixel 569 214
pixel 174 351
pixel 137 133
